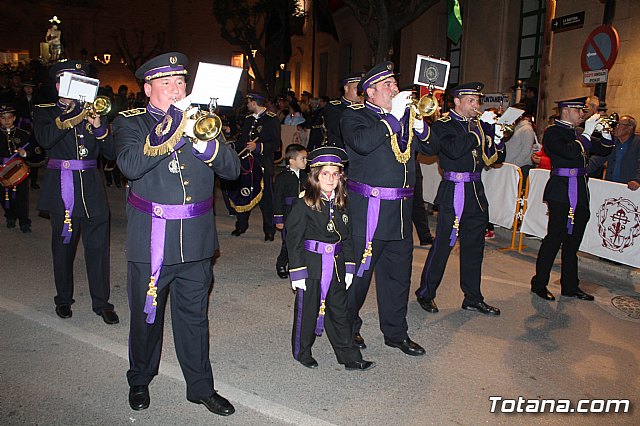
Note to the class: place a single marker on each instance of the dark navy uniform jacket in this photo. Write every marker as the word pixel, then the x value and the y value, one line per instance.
pixel 459 150
pixel 371 161
pixel 287 184
pixel 561 144
pixel 303 223
pixel 267 129
pixel 19 138
pixel 90 195
pixel 178 177
pixel 332 113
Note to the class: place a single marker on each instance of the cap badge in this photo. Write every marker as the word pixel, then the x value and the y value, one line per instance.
pixel 390 67
pixel 173 60
pixel 78 66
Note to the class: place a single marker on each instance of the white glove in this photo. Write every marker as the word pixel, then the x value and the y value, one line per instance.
pixel 188 128
pixel 590 124
pixel 348 279
pixel 499 132
pixel 418 125
pixel 606 135
pixel 399 104
pixel 489 117
pixel 299 284
pixel 183 104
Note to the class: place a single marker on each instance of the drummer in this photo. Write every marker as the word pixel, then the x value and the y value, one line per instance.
pixel 15 195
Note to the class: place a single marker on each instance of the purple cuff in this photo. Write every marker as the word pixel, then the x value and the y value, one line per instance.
pixel 424 135
pixel 393 123
pixel 209 154
pixel 350 268
pixel 585 142
pixel 102 131
pixel 298 274
pixel 258 149
pixel 278 219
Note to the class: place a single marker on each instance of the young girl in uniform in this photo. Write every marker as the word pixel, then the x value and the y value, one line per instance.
pixel 321 264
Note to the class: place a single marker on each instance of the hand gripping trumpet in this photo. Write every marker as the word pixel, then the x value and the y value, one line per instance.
pixel 507 129
pixel 607 124
pixel 101 106
pixel 426 106
pixel 208 125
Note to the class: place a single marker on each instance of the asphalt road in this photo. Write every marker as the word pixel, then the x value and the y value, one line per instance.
pixel 72 372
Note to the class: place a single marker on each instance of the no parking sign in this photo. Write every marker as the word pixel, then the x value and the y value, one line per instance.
pixel 601 49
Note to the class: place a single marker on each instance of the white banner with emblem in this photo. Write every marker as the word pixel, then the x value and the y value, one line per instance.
pixel 501 188
pixel 613 231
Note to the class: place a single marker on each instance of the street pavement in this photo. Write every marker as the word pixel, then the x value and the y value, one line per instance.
pixel 72 372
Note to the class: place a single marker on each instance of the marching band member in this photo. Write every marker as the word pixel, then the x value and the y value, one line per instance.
pixel 464 145
pixel 171 233
pixel 74 194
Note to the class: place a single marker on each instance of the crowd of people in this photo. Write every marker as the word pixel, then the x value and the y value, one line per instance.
pixel 336 231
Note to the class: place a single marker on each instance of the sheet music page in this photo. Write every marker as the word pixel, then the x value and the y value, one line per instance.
pixel 215 81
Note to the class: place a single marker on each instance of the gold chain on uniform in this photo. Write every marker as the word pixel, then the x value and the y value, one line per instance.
pixel 403 157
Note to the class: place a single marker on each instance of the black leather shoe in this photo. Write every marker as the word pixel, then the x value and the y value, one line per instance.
pixel 580 295
pixel 237 232
pixel 268 237
pixel 360 365
pixel 428 305
pixel 407 346
pixel 481 307
pixel 64 311
pixel 217 404
pixel 26 229
pixel 110 316
pixel 139 397
pixel 11 223
pixel 543 293
pixel 282 272
pixel 311 363
pixel 358 341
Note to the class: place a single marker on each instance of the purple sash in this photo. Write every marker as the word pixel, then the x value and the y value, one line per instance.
pixel 328 251
pixel 374 194
pixel 459 178
pixel 160 213
pixel 67 190
pixel 572 174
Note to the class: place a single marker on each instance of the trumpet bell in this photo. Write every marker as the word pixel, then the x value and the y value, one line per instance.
pixel 207 126
pixel 426 106
pixel 100 106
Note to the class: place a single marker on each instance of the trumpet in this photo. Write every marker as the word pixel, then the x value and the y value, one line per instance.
pixel 207 126
pixel 426 106
pixel 607 124
pixel 101 106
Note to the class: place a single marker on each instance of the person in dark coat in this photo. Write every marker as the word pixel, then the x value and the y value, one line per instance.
pixel 74 195
pixel 465 144
pixel 171 233
pixel 334 109
pixel 382 137
pixel 288 185
pixel 322 263
pixel 567 196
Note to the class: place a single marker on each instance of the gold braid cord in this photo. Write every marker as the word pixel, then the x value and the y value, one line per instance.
pixel 403 156
pixel 166 146
pixel 71 122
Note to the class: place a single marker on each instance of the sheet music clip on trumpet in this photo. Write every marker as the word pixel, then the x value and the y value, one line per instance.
pixel 208 124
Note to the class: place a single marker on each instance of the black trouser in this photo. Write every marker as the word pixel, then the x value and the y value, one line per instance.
pixel 391 261
pixel 418 210
pixel 18 206
pixel 283 257
pixel 471 236
pixel 189 285
pixel 266 207
pixel 95 239
pixel 557 235
pixel 336 322
pixel 33 175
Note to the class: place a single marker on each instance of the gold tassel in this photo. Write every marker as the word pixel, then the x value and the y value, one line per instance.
pixel 169 144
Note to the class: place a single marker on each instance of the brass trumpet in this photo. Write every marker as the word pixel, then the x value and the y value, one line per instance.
pixel 101 106
pixel 207 126
pixel 507 129
pixel 426 106
pixel 607 124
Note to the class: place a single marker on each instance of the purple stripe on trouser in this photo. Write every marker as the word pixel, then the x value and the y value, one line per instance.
pixel 67 191
pixel 374 194
pixel 328 251
pixel 300 297
pixel 160 213
pixel 572 175
pixel 459 178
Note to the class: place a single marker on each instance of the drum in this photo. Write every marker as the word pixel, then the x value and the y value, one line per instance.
pixel 13 172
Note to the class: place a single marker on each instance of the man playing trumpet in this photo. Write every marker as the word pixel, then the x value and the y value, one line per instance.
pixel 464 145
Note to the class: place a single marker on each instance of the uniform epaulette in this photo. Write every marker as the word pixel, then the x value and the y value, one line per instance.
pixel 301 195
pixel 355 106
pixel 45 105
pixel 444 119
pixel 133 112
pixel 271 114
pixel 335 102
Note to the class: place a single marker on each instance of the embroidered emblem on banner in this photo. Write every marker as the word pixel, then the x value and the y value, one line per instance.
pixel 618 223
pixel 245 192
